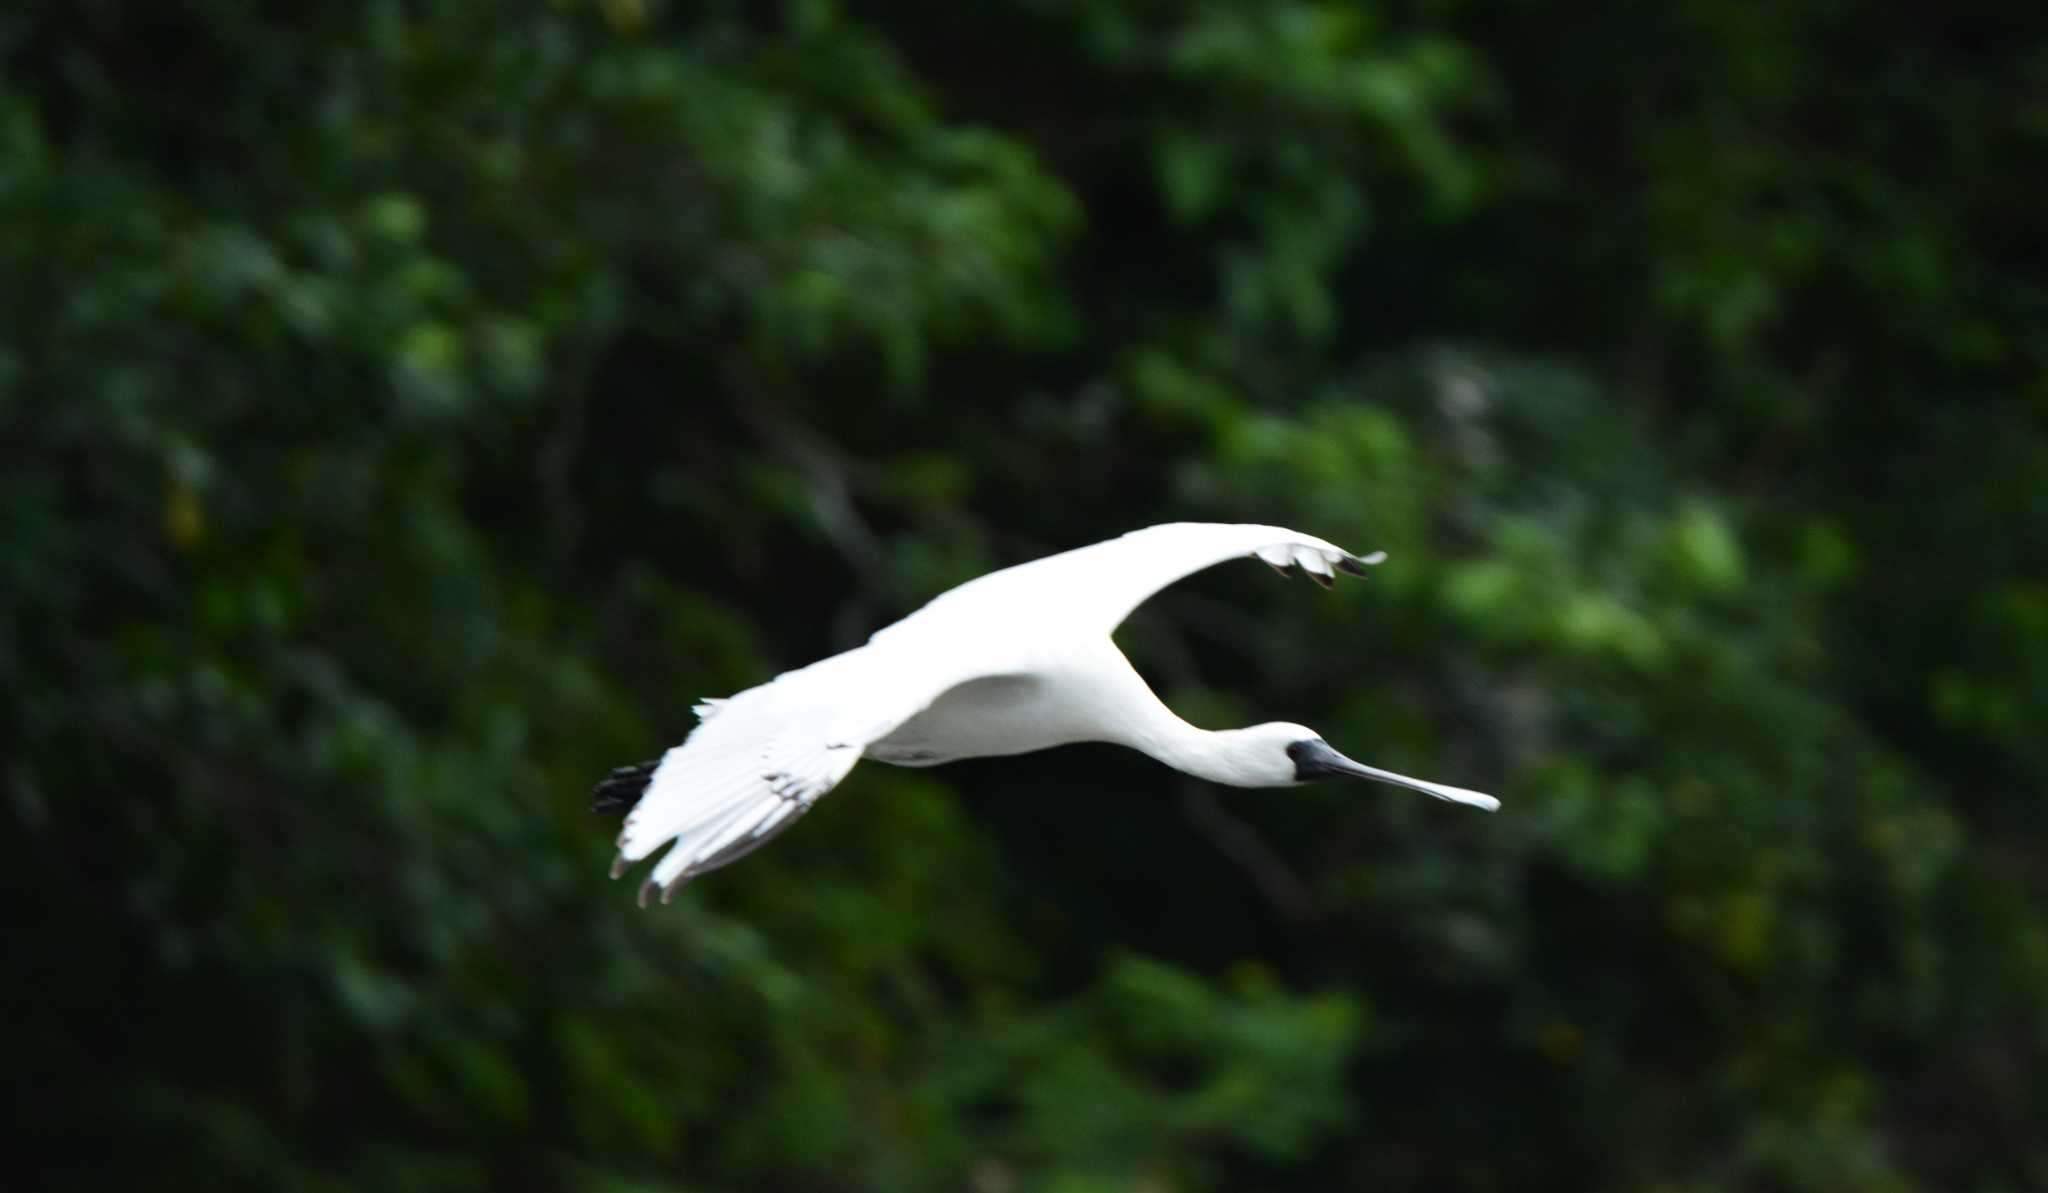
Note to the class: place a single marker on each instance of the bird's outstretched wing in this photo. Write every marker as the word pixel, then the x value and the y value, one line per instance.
pixel 1094 588
pixel 757 761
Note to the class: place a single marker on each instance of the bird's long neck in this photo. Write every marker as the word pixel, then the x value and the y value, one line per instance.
pixel 1123 709
pixel 1215 755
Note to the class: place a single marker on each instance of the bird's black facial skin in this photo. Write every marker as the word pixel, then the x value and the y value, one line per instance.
pixel 1314 759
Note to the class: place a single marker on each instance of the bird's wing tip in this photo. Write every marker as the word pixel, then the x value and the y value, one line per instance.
pixel 1357 564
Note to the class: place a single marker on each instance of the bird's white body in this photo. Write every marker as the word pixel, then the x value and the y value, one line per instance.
pixel 988 718
pixel 1012 662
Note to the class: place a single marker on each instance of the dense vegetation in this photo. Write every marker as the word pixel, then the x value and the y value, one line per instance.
pixel 408 409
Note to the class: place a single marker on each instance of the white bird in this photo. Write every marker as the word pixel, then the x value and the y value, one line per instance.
pixel 1014 661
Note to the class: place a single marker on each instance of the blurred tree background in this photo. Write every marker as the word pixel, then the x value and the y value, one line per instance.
pixel 407 409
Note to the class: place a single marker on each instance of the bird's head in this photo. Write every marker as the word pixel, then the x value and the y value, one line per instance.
pixel 1265 755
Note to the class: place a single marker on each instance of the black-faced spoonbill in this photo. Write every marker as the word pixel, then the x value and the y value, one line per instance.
pixel 1014 661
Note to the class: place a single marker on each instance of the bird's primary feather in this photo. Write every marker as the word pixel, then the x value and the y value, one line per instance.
pixel 618 791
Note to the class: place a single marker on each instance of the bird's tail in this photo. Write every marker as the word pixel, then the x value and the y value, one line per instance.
pixel 619 791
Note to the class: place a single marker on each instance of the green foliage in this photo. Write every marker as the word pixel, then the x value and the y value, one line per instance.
pixel 409 409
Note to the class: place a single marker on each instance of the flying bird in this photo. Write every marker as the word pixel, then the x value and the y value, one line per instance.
pixel 1008 663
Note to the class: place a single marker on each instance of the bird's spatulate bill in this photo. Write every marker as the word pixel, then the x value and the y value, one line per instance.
pixel 1456 795
pixel 1316 760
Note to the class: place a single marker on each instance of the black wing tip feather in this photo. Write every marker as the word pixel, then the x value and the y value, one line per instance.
pixel 619 791
pixel 1357 565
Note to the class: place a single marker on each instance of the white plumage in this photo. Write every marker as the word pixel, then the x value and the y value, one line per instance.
pixel 1014 661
